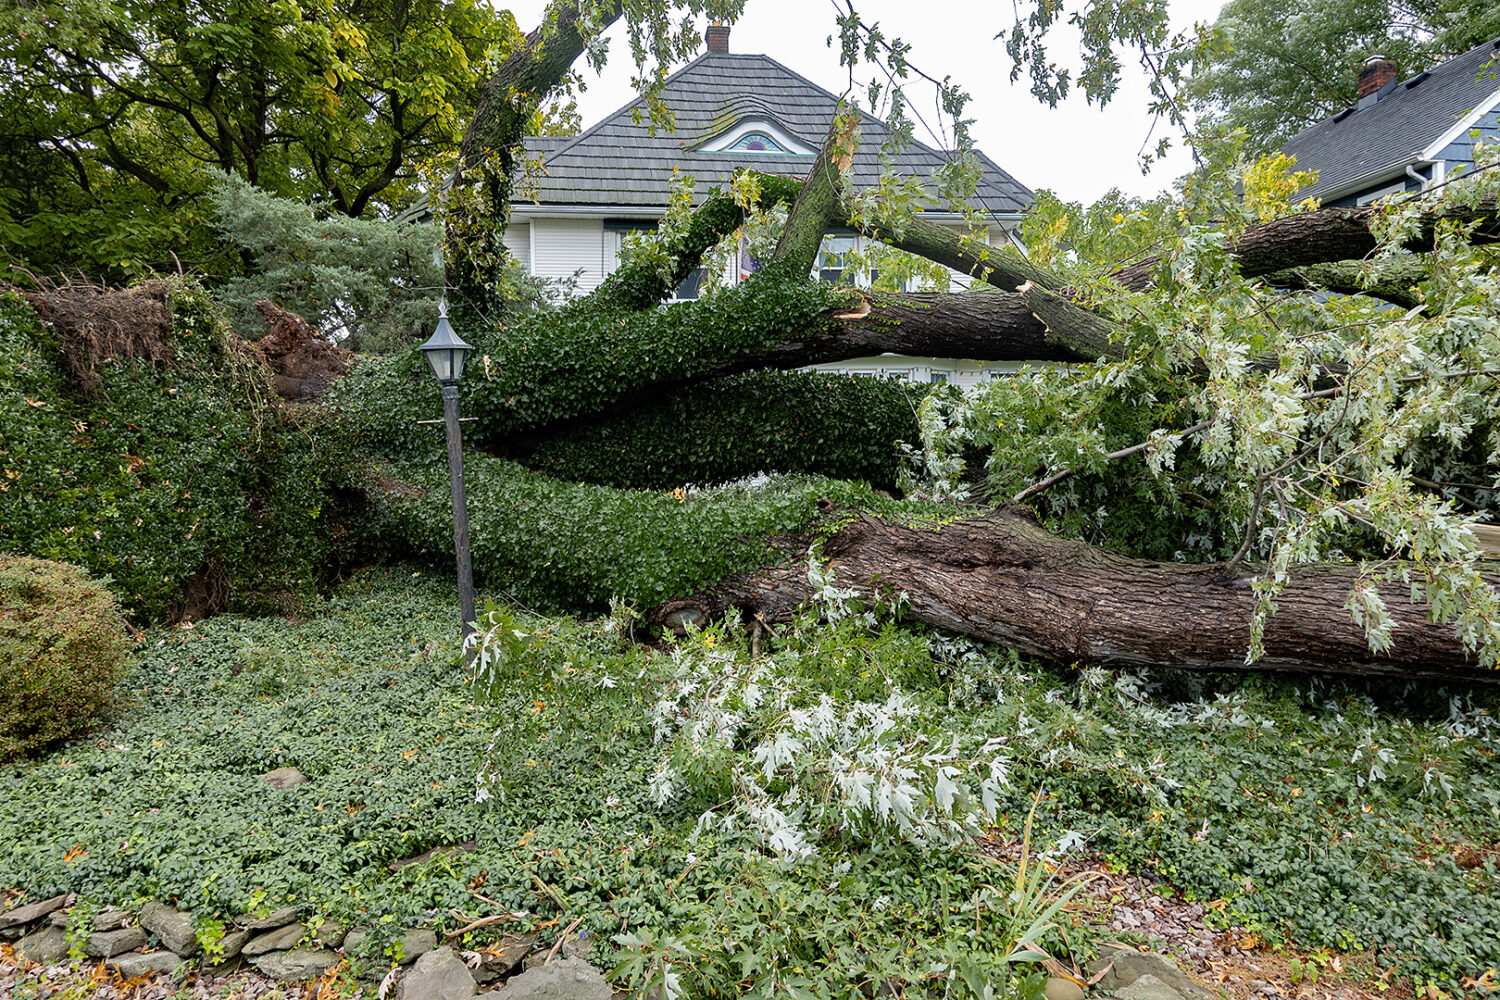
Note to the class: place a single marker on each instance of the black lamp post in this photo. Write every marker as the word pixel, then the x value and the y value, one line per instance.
pixel 445 352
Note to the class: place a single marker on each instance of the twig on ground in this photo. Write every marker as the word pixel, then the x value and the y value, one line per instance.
pixel 557 945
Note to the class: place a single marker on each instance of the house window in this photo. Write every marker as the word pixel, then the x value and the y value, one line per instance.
pixel 756 142
pixel 938 378
pixel 758 136
pixel 688 289
pixel 833 260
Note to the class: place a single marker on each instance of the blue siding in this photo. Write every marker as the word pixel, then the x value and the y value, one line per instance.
pixel 1461 150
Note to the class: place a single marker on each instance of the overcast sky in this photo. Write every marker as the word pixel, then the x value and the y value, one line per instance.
pixel 1076 150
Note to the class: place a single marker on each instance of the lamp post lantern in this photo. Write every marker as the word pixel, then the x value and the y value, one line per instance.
pixel 445 352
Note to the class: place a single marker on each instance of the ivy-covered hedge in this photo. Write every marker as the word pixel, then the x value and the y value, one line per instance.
pixel 183 481
pixel 580 360
pixel 561 545
pixel 816 423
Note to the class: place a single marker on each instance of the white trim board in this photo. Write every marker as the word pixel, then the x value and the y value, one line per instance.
pixel 1465 123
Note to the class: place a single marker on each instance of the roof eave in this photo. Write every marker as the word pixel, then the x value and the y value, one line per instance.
pixel 1390 171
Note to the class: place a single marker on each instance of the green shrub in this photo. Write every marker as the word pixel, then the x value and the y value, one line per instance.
pixel 167 476
pixel 61 639
pixel 814 423
pixel 373 279
pixel 564 545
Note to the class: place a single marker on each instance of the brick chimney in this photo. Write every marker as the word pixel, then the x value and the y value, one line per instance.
pixel 718 38
pixel 1374 74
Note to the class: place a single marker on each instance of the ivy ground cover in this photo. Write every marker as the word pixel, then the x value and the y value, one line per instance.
pixel 1316 814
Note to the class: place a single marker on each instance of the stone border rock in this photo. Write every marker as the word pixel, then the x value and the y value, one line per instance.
pixel 162 940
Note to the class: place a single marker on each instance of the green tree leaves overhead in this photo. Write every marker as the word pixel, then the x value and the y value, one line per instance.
pixel 111 111
pixel 1278 67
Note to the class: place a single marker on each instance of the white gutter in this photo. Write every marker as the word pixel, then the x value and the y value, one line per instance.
pixel 1390 171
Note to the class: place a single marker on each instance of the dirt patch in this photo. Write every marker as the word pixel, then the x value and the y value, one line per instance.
pixel 99 325
pixel 202 595
pixel 1224 959
pixel 303 362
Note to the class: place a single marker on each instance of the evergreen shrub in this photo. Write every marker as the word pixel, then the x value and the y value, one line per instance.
pixel 61 640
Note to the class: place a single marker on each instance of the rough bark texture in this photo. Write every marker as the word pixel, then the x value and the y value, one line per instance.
pixel 1001 267
pixel 1326 235
pixel 1348 277
pixel 1004 578
pixel 518 86
pixel 996 326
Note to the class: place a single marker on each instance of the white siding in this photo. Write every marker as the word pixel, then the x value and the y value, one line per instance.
pixel 559 247
pixel 958 281
pixel 916 369
pixel 518 242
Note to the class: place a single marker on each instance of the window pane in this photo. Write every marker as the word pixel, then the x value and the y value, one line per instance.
pixel 689 287
pixel 757 142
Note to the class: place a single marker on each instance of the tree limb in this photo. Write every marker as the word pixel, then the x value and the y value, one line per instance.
pixel 819 203
pixel 1005 579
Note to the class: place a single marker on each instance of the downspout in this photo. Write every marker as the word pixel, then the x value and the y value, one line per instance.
pixel 1411 171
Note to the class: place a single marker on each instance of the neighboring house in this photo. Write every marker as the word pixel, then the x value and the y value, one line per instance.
pixel 593 189
pixel 1403 135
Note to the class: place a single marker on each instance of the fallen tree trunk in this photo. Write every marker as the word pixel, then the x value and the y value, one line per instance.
pixel 1005 579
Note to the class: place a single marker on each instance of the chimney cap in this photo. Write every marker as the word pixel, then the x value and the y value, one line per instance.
pixel 1376 59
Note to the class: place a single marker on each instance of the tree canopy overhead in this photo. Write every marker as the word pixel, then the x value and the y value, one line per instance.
pixel 112 112
pixel 1278 67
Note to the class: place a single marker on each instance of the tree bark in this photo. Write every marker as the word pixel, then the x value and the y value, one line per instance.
pixel 1326 236
pixel 1005 579
pixel 819 203
pixel 992 326
pixel 524 79
pixel 1349 277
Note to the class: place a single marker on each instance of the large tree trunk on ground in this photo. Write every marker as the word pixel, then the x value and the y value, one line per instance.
pixel 1005 579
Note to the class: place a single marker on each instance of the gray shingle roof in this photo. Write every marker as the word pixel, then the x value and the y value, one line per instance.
pixel 1394 130
pixel 619 163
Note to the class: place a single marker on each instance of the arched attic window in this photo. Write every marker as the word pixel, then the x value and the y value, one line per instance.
pixel 757 136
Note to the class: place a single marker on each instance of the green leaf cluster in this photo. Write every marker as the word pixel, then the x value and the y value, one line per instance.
pixel 839 426
pixel 373 284
pixel 168 473
pixel 586 358
pixel 559 544
pixel 113 109
pixel 61 639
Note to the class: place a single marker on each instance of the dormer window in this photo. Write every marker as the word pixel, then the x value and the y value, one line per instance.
pixel 757 136
pixel 756 142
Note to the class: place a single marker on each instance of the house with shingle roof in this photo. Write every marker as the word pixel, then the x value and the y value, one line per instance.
pixel 1403 135
pixel 586 193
